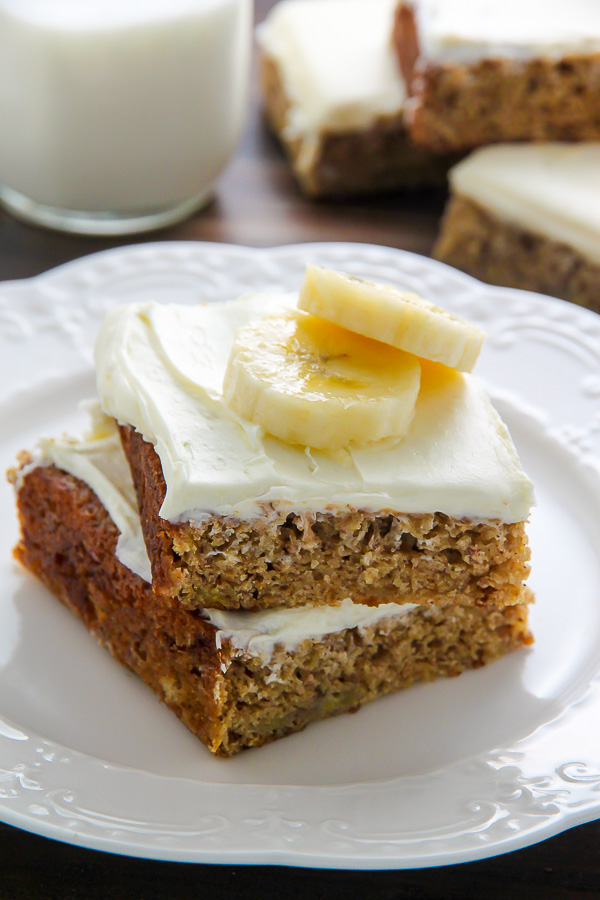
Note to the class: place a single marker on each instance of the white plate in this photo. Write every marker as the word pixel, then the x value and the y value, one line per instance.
pixel 446 772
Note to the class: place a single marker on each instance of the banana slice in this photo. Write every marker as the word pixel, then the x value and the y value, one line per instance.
pixel 310 382
pixel 395 317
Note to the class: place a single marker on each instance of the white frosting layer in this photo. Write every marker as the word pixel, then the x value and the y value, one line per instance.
pixel 464 31
pixel 552 190
pixel 259 633
pixel 99 461
pixel 160 369
pixel 336 60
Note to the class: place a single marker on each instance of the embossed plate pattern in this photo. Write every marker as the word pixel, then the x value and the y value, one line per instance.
pixel 447 772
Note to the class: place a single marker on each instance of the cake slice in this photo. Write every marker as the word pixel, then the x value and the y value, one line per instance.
pixel 334 95
pixel 235 518
pixel 235 680
pixel 527 217
pixel 499 70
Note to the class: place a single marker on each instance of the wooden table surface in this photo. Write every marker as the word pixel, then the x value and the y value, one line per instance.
pixel 258 204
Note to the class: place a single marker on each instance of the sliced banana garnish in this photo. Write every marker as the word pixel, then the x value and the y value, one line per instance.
pixel 310 382
pixel 392 316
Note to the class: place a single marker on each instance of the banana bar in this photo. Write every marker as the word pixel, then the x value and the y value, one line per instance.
pixel 334 96
pixel 527 217
pixel 235 518
pixel 236 680
pixel 499 70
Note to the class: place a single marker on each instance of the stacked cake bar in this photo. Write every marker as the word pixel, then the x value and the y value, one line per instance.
pixel 261 579
pixel 334 95
pixel 489 71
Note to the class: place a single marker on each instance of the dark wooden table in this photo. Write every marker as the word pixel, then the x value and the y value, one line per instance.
pixel 258 204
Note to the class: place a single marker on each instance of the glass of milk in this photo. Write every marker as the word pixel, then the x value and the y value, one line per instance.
pixel 118 115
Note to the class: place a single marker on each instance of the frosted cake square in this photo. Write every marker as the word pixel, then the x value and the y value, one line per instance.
pixel 499 70
pixel 236 518
pixel 334 96
pixel 527 217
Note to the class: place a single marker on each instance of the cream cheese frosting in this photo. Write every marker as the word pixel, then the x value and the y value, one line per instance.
pixel 336 61
pixel 465 31
pixel 258 633
pixel 160 369
pixel 99 461
pixel 552 190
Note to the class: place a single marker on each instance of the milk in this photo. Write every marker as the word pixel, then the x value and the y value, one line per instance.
pixel 120 106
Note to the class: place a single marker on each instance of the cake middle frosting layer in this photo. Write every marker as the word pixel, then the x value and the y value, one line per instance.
pixel 160 369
